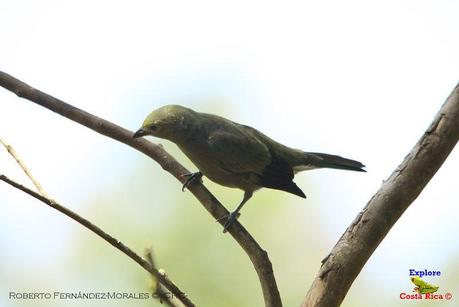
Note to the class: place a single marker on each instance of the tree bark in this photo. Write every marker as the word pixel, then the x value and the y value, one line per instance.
pixel 346 260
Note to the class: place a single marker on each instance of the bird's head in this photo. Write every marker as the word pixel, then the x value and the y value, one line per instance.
pixel 165 122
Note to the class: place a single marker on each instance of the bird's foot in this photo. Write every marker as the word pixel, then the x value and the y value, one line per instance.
pixel 190 178
pixel 230 219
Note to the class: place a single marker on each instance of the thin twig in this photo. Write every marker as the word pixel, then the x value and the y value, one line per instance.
pixel 257 255
pixel 158 291
pixel 16 157
pixel 362 237
pixel 113 241
pixel 162 295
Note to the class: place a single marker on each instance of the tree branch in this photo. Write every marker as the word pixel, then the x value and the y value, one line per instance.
pixel 257 255
pixel 158 291
pixel 362 237
pixel 162 295
pixel 16 157
pixel 113 241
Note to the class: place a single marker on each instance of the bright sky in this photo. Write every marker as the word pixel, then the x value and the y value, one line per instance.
pixel 362 79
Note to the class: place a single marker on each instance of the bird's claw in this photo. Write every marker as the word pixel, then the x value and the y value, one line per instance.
pixel 190 178
pixel 230 219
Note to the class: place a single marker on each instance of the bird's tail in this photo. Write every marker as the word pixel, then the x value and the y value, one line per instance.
pixel 321 160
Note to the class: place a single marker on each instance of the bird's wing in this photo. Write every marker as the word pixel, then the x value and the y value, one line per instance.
pixel 278 174
pixel 238 152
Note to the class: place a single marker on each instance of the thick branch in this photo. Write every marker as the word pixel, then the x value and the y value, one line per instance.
pixel 372 224
pixel 113 241
pixel 257 255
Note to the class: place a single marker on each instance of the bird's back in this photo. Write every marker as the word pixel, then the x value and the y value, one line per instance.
pixel 291 156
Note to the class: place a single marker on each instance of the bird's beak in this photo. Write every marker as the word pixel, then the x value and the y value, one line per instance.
pixel 139 133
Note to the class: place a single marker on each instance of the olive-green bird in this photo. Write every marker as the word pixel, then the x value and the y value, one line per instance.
pixel 236 155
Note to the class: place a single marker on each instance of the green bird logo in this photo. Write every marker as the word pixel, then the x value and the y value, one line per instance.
pixel 422 286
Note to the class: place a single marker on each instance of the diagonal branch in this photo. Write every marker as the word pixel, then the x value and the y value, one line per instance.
pixel 257 255
pixel 113 241
pixel 372 224
pixel 16 157
pixel 162 295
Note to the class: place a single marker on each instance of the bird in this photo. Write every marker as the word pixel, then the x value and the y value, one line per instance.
pixel 235 155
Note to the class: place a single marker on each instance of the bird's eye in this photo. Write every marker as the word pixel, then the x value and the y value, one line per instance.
pixel 153 127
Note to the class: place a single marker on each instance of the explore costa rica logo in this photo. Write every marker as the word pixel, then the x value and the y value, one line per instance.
pixel 424 290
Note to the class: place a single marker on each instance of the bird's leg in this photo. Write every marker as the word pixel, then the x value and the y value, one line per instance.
pixel 190 178
pixel 231 218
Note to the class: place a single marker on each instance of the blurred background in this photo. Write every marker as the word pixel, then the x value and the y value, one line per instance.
pixel 362 79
